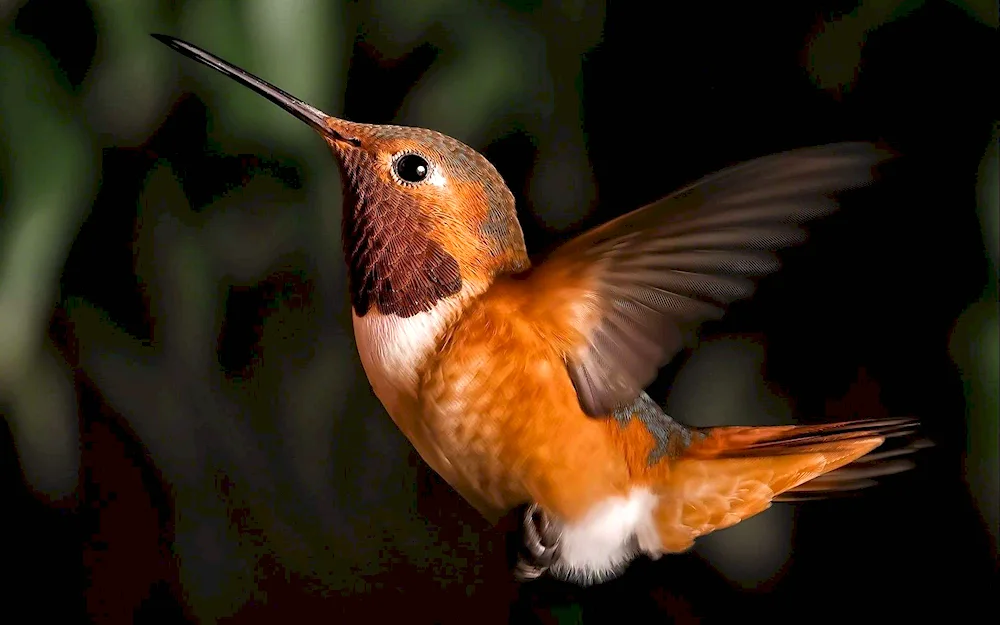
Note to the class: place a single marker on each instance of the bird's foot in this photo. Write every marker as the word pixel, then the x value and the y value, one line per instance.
pixel 540 545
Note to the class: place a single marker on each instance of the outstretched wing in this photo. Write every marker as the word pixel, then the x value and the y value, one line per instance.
pixel 633 289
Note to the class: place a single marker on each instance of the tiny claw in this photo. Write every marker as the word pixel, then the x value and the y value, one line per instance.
pixel 541 542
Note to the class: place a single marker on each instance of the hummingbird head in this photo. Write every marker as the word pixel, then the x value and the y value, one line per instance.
pixel 425 216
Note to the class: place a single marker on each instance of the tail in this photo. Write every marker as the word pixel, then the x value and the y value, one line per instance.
pixel 728 474
pixel 888 459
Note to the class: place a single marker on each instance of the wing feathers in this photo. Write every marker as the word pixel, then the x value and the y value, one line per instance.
pixel 651 277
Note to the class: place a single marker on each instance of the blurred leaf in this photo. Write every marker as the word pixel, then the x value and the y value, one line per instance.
pixel 404 23
pixel 988 195
pixel 975 347
pixel 493 70
pixel 984 11
pixel 127 95
pixel 49 188
pixel 49 183
pixel 834 54
pixel 44 425
pixel 122 367
pixel 834 51
pixel 8 8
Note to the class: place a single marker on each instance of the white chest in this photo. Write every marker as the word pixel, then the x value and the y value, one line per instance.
pixel 393 349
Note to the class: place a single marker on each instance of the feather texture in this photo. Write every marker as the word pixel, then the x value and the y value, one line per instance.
pixel 654 275
pixel 728 474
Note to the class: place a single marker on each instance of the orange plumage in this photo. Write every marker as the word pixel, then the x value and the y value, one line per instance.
pixel 523 383
pixel 507 414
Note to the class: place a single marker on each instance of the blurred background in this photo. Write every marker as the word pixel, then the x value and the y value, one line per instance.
pixel 187 435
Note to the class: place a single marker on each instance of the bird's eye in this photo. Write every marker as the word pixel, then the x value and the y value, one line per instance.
pixel 411 168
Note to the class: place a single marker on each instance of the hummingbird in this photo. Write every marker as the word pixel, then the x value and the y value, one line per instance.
pixel 521 381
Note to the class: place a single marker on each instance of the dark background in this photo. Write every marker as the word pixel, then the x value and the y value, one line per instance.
pixel 190 437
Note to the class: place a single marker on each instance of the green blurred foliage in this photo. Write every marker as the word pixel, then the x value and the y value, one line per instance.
pixel 833 54
pixel 975 346
pixel 208 435
pixel 46 193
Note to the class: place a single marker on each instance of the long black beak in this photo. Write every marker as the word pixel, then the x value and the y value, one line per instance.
pixel 317 119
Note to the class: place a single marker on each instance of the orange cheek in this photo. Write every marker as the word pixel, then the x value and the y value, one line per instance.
pixel 456 214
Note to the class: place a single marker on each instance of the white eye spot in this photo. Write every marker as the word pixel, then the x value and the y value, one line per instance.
pixel 436 178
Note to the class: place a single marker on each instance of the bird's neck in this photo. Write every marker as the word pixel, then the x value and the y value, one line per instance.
pixel 395 268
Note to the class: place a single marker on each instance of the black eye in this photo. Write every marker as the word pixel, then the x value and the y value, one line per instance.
pixel 412 167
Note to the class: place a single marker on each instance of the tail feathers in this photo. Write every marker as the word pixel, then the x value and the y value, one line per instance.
pixel 743 442
pixel 865 472
pixel 728 474
pixel 898 439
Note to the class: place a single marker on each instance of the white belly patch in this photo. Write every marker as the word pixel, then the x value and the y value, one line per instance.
pixel 602 544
